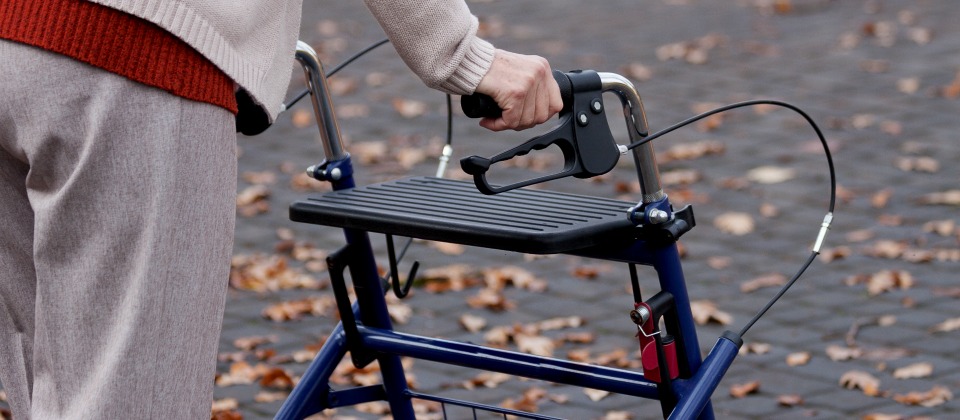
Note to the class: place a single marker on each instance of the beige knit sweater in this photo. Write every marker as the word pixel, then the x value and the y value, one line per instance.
pixel 253 41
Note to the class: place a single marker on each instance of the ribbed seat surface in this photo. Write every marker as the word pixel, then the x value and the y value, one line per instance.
pixel 532 221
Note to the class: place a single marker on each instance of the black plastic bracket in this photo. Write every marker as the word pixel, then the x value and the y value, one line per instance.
pixel 683 221
pixel 337 262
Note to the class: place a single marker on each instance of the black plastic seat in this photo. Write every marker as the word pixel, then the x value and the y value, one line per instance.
pixel 531 221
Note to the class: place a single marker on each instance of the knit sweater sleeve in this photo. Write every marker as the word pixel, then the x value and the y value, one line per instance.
pixel 437 39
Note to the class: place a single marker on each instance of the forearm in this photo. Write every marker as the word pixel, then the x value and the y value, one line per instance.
pixel 437 40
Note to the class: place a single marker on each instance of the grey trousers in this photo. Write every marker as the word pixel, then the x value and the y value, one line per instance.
pixel 116 229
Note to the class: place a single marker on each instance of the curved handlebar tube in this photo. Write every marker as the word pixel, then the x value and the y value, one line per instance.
pixel 322 105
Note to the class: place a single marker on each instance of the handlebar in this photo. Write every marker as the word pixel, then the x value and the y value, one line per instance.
pixel 583 135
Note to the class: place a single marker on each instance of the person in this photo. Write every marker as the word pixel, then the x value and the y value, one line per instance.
pixel 118 179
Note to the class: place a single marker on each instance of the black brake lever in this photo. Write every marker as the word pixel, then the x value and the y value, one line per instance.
pixel 583 134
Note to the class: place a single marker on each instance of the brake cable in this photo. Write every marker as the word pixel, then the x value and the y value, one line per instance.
pixel 827 219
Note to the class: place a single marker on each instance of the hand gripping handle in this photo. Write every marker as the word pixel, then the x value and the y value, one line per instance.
pixel 583 134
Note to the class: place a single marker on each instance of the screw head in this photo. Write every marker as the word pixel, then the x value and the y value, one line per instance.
pixel 596 106
pixel 335 174
pixel 582 119
pixel 658 216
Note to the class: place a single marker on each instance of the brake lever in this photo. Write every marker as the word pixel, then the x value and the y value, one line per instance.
pixel 583 136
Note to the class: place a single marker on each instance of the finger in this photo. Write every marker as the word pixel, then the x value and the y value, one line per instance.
pixel 493 124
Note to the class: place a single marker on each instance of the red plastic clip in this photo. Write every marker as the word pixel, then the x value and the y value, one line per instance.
pixel 648 348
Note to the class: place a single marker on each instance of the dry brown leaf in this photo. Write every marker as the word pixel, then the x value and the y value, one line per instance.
pixel 617 415
pixel 771 174
pixel 637 71
pixel 893 128
pixel 947 326
pixel 887 280
pixel 938 395
pixel 447 248
pixel 269 397
pixel 690 151
pixel 595 394
pixel 527 402
pixel 250 343
pixel 490 299
pixel 369 152
pixel 767 280
pixel 301 118
pixel 409 108
pixel 882 416
pixel 680 177
pixel 860 235
pixel 880 199
pixel 253 200
pixel 408 157
pixel 947 198
pixel 259 178
pixel 559 323
pixel 487 380
pixel 705 311
pixel 908 85
pixel 916 370
pixel 734 223
pixel 941 227
pixel 472 323
pixel 798 358
pixel 225 404
pixel 499 277
pixel 830 254
pixel 755 348
pixel 719 263
pixel 790 400
pixel 742 390
pixel 534 344
pixel 864 381
pixel 296 309
pixel 918 164
pixel 839 353
pixel 276 378
pixel 399 312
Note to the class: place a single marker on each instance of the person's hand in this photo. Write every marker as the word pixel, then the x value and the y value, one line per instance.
pixel 523 87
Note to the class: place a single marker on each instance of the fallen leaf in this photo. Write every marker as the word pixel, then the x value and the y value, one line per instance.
pixel 768 280
pixel 916 370
pixel 908 85
pixel 705 311
pixel 941 227
pixel 269 397
pixel 771 174
pixel 838 353
pixel 490 299
pixel 734 223
pixel 755 348
pixel 798 358
pixel 617 415
pixel 830 254
pixel 250 343
pixel 409 108
pixel 864 381
pixel 918 164
pixel 742 390
pixel 947 326
pixel 301 118
pixel 948 198
pixel 595 394
pixel 690 151
pixel 447 248
pixel 534 344
pixel 487 380
pixel 637 71
pixel 472 323
pixel 880 199
pixel 790 400
pixel 938 395
pixel 719 263
pixel 259 178
pixel 225 404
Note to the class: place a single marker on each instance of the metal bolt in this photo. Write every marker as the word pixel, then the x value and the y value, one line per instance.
pixel 335 174
pixel 312 171
pixel 582 119
pixel 640 315
pixel 596 106
pixel 658 216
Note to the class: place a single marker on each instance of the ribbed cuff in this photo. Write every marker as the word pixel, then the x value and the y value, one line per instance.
pixel 476 62
pixel 119 43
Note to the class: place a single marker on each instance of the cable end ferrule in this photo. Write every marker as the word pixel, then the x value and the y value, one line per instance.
pixel 444 158
pixel 824 227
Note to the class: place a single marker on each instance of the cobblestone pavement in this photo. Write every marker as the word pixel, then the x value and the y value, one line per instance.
pixel 881 77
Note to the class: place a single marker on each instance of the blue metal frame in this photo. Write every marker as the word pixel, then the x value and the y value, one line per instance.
pixel 691 391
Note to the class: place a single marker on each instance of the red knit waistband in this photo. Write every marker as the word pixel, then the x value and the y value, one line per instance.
pixel 119 43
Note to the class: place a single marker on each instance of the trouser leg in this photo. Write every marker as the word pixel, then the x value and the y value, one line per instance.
pixel 132 192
